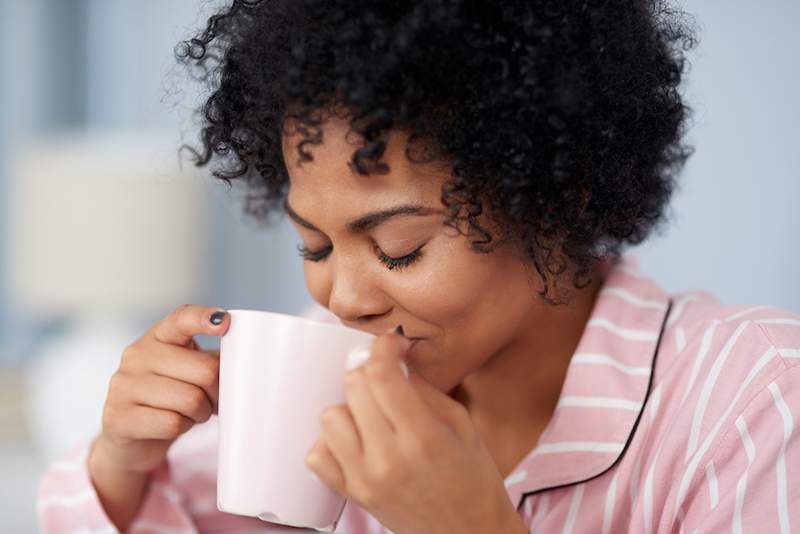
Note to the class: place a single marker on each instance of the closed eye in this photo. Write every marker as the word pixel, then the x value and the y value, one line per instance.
pixel 390 262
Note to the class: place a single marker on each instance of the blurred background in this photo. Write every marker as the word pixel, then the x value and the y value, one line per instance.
pixel 102 232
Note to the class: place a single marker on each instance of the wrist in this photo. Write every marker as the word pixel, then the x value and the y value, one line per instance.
pixel 106 473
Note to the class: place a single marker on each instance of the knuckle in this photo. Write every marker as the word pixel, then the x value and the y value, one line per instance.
pixel 365 495
pixel 182 308
pixel 208 373
pixel 460 413
pixel 171 423
pixel 352 376
pixel 331 414
pixel 381 344
pixel 383 471
pixel 109 416
pixel 423 445
pixel 130 354
pixel 116 384
pixel 195 401
pixel 376 370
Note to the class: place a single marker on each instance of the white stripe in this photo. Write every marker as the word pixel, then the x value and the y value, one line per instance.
pixel 789 353
pixel 648 482
pixel 680 338
pixel 784 321
pixel 625 333
pixel 171 495
pixel 749 446
pixel 780 464
pixel 578 446
pixel 681 519
pixel 599 402
pixel 634 484
pixel 153 527
pixel 574 504
pixel 713 489
pixel 744 312
pixel 708 387
pixel 655 400
pixel 741 487
pixel 690 470
pixel 541 511
pixel 676 312
pixel 603 359
pixel 630 298
pixel 515 477
pixel 66 501
pixel 201 506
pixel 698 359
pixel 528 507
pixel 611 497
pixel 648 499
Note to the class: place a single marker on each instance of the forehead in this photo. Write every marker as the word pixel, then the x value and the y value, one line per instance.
pixel 329 178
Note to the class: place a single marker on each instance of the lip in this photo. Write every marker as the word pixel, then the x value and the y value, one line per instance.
pixel 414 341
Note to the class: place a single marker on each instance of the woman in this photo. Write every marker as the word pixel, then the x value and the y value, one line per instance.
pixel 466 176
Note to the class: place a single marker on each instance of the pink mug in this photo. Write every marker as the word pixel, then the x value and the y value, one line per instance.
pixel 277 374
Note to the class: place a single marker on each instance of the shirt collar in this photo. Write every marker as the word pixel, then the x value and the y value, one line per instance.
pixel 605 389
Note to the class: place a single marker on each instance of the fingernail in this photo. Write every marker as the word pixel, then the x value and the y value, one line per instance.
pixel 217 317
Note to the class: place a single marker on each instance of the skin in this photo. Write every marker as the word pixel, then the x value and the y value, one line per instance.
pixel 489 342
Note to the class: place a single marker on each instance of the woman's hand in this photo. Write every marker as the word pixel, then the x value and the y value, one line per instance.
pixel 165 384
pixel 409 454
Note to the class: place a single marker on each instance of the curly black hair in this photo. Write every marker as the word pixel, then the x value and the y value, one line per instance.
pixel 562 117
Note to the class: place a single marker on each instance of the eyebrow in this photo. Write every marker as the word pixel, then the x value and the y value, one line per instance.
pixel 368 221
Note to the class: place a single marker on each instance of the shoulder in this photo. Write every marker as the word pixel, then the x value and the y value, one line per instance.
pixel 721 360
pixel 743 330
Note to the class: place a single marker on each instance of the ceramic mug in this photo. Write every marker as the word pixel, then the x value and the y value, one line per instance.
pixel 277 374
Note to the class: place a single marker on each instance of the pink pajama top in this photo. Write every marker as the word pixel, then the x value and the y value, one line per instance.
pixel 678 414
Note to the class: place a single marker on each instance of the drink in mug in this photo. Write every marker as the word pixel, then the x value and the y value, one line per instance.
pixel 277 374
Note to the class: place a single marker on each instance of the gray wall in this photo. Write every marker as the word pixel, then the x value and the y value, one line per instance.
pixel 736 224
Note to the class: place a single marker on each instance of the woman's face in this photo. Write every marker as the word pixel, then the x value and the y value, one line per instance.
pixel 466 306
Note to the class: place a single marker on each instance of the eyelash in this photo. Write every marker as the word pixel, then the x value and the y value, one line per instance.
pixel 391 263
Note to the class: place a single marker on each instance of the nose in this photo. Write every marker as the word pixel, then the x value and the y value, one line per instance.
pixel 355 296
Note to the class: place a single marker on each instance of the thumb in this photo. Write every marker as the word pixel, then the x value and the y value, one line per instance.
pixel 448 410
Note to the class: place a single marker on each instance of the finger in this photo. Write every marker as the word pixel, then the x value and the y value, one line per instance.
pixel 323 463
pixel 448 410
pixel 374 429
pixel 186 321
pixel 199 368
pixel 145 422
pixel 164 393
pixel 393 392
pixel 340 435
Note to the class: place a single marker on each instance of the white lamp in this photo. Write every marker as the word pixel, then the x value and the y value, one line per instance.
pixel 104 229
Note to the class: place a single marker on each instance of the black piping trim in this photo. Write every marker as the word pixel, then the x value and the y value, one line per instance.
pixel 635 424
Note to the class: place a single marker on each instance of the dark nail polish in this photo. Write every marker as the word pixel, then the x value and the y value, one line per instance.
pixel 217 317
pixel 399 330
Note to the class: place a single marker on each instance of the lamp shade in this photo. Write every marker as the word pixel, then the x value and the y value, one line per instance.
pixel 104 222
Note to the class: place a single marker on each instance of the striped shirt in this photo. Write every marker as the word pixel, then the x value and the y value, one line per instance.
pixel 677 414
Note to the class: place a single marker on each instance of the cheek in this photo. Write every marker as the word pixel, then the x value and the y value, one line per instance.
pixel 473 299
